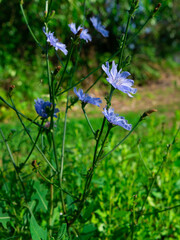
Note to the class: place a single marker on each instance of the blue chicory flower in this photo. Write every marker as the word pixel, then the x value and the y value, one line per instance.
pixel 100 28
pixel 83 35
pixel 116 119
pixel 86 98
pixel 55 42
pixel 119 80
pixel 44 108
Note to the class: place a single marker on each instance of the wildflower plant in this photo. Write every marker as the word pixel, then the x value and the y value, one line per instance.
pixel 71 211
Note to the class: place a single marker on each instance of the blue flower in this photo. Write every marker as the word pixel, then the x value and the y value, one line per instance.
pixel 116 119
pixel 44 109
pixel 86 98
pixel 55 42
pixel 119 80
pixel 84 32
pixel 97 25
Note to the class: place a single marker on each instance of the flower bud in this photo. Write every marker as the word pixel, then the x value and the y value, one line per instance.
pixel 45 13
pixel 79 32
pixel 47 125
pixel 57 69
pixel 147 113
pixel 11 87
pixel 157 8
pixel 52 14
pixel 34 164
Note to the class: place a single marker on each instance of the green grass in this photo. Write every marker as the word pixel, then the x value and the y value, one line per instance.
pixel 120 182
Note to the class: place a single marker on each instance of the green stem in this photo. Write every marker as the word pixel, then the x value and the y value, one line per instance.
pixel 26 21
pixel 52 183
pixel 102 146
pixel 62 157
pixel 34 144
pixel 122 139
pixel 55 152
pixel 14 164
pixel 143 159
pixel 139 30
pixel 93 71
pixel 48 68
pixel 160 211
pixel 62 153
pixel 124 41
pixel 97 142
pixel 51 207
pixel 64 70
pixel 133 221
pixel 49 8
pixel 29 119
pixel 88 178
pixel 94 83
pixel 27 131
pixel 88 121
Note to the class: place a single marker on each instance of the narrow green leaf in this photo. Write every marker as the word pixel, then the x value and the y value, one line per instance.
pixel 62 233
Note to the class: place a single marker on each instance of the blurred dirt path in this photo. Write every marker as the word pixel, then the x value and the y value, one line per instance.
pixel 165 93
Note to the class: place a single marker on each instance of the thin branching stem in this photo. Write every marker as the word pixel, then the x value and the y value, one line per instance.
pixel 64 70
pixel 50 182
pixel 40 130
pixel 89 74
pixel 30 30
pixel 160 211
pixel 85 114
pixel 28 133
pixel 141 157
pixel 117 145
pixel 103 143
pixel 124 41
pixel 14 164
pixel 15 109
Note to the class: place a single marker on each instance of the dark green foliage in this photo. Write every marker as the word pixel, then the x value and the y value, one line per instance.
pixel 37 233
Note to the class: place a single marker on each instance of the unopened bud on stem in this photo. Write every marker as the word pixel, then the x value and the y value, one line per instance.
pixel 79 32
pixel 157 8
pixel 11 87
pixel 52 13
pixel 45 13
pixel 57 69
pixel 147 113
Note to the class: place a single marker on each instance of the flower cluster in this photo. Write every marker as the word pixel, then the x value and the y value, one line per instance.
pixel 100 28
pixel 55 42
pixel 116 119
pixel 44 109
pixel 84 32
pixel 86 98
pixel 119 79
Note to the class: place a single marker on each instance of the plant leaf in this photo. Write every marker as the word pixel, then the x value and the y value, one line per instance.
pixel 37 232
pixel 40 195
pixel 4 218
